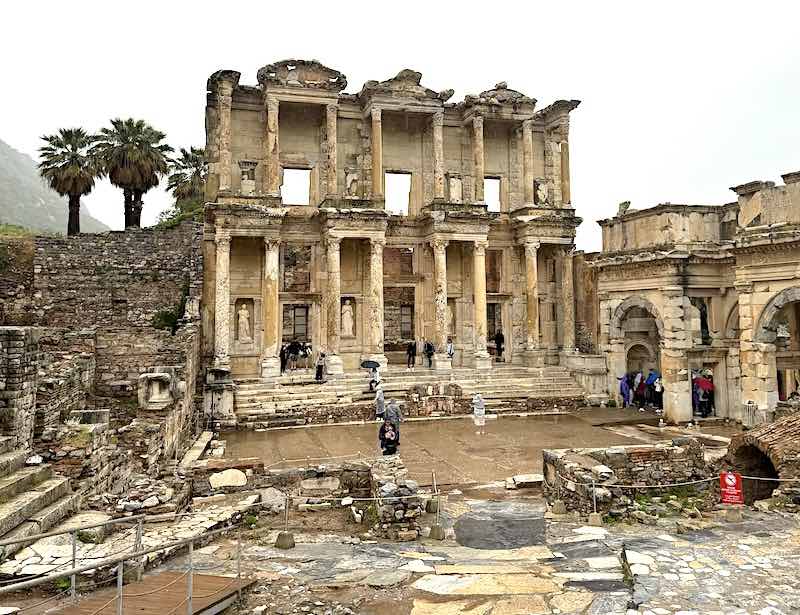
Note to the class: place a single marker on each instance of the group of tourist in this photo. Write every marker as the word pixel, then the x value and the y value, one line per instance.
pixel 639 390
pixel 702 393
pixel 428 350
pixel 295 355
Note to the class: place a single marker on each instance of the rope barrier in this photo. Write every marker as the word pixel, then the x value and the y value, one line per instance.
pixel 358 454
pixel 38 604
pixel 668 485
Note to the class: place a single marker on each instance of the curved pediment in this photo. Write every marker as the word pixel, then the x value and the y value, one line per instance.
pixel 501 94
pixel 302 73
pixel 406 84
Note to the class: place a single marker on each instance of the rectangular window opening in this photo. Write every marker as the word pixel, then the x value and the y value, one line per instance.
pixel 491 193
pixel 296 186
pixel 397 191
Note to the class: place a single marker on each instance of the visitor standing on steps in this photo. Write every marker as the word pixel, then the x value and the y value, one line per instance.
pixel 284 357
pixel 389 437
pixel 411 354
pixel 393 414
pixel 428 351
pixel 319 376
pixel 451 350
pixel 380 410
pixel 499 342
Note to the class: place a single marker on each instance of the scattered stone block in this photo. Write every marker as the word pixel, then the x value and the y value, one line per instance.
pixel 285 540
pixel 228 478
pixel 526 481
pixel 558 508
pixel 437 532
pixel 595 519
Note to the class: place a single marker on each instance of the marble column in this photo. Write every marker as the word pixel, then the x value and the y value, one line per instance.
pixel 482 358
pixel 376 300
pixel 566 198
pixel 477 156
pixel 440 359
pixel 224 100
pixel 532 312
pixel 437 124
pixel 222 299
pixel 527 160
pixel 333 303
pixel 270 306
pixel 568 299
pixel 331 118
pixel 377 154
pixel 272 154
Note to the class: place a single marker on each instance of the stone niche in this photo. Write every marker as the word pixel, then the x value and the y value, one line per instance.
pixel 244 325
pixel 159 388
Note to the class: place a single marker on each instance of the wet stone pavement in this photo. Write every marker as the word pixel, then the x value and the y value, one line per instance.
pixel 564 567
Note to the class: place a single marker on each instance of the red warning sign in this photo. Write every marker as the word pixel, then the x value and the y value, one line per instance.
pixel 730 488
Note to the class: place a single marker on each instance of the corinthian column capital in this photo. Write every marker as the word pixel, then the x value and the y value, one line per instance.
pixel 439 245
pixel 531 247
pixel 222 236
pixel 271 243
pixel 376 245
pixel 480 246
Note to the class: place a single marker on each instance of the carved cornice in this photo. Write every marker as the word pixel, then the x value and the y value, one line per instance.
pixel 303 74
pixel 439 244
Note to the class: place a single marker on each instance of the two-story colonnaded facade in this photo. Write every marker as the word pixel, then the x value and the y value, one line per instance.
pixel 355 280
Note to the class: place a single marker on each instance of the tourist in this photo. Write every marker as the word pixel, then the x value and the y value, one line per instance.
pixel 320 373
pixel 451 351
pixel 389 437
pixel 284 357
pixel 625 390
pixel 374 378
pixel 649 393
pixel 658 389
pixel 294 354
pixel 499 341
pixel 411 354
pixel 393 413
pixel 305 354
pixel 428 350
pixel 379 402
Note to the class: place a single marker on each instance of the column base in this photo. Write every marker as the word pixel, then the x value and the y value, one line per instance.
pixel 535 358
pixel 482 361
pixel 334 365
pixel 270 367
pixel 441 362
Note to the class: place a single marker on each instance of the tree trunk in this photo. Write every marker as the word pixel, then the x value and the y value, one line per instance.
pixel 128 206
pixel 136 209
pixel 74 219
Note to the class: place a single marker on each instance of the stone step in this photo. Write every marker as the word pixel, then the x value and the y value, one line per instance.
pixel 24 505
pixel 7 444
pixel 40 522
pixel 13 460
pixel 22 480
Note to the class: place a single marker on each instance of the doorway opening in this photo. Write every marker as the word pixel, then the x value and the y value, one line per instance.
pixel 491 193
pixel 296 188
pixel 397 193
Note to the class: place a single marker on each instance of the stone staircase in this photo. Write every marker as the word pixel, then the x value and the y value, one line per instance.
pixel 266 404
pixel 32 498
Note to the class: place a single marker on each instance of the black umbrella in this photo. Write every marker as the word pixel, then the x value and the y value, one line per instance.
pixel 369 364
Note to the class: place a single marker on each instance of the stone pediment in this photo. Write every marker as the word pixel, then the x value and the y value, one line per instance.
pixel 406 84
pixel 501 94
pixel 302 73
pixel 223 75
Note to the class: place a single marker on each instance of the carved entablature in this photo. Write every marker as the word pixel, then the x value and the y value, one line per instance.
pixel 227 75
pixel 244 219
pixel 556 117
pixel 406 84
pixel 302 73
pixel 651 270
pixel 354 222
pixel 501 94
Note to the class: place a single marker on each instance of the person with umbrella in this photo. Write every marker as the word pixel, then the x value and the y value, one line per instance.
pixel 705 390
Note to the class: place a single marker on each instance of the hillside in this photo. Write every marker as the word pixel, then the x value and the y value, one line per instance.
pixel 27 201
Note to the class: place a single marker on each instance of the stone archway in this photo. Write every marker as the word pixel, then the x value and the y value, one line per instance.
pixel 640 356
pixel 767 330
pixel 615 327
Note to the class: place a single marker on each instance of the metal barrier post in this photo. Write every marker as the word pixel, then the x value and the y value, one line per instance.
pixel 594 497
pixel 239 564
pixel 138 547
pixel 438 497
pixel 119 587
pixel 73 578
pixel 189 583
pixel 286 513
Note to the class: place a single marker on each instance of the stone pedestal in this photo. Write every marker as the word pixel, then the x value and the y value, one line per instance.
pixel 535 358
pixel 441 362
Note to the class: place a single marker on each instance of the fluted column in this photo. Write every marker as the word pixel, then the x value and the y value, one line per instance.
pixel 568 300
pixel 376 300
pixel 482 359
pixel 566 198
pixel 437 124
pixel 331 118
pixel 333 303
pixel 527 160
pixel 441 360
pixel 270 307
pixel 273 175
pixel 532 288
pixel 477 156
pixel 222 299
pixel 377 154
pixel 224 100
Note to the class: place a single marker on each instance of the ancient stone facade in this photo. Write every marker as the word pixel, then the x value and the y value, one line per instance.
pixel 370 279
pixel 693 287
pixel 19 363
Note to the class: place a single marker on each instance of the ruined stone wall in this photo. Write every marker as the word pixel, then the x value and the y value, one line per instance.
pixel 16 280
pixel 587 305
pixel 569 473
pixel 116 278
pixel 65 380
pixel 662 226
pixel 19 362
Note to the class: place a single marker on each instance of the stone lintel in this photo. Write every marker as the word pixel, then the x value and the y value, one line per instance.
pixel 751 187
pixel 791 178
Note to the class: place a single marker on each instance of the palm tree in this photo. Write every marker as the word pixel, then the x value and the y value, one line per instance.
pixel 70 169
pixel 188 174
pixel 134 157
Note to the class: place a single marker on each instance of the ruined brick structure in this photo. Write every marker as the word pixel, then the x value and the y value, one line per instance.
pixel 689 287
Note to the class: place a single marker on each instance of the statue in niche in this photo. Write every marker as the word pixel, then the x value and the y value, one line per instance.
pixel 351 183
pixel 244 325
pixel 455 187
pixel 348 320
pixel 541 193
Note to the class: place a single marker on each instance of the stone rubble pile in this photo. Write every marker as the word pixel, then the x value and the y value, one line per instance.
pixel 145 494
pixel 398 519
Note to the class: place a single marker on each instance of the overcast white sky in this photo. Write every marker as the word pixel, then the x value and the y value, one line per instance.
pixel 680 101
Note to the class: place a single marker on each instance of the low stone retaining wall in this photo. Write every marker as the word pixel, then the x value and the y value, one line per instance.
pixel 398 505
pixel 569 474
